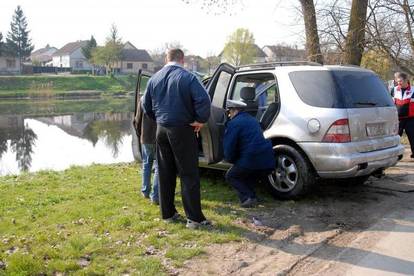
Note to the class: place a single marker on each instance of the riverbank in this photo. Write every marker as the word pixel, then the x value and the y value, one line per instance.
pixel 92 220
pixel 65 86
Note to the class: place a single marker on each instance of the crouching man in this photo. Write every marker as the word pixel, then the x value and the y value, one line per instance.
pixel 249 152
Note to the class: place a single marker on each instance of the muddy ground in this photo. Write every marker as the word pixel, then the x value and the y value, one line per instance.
pixel 300 237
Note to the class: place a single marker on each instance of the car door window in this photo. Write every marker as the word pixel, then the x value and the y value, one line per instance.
pixel 265 87
pixel 221 89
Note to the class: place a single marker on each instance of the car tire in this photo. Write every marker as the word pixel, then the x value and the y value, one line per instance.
pixel 293 175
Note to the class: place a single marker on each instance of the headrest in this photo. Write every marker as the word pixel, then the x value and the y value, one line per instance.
pixel 235 104
pixel 247 93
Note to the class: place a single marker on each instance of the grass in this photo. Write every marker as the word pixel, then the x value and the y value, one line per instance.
pixel 92 221
pixel 46 86
pixel 50 107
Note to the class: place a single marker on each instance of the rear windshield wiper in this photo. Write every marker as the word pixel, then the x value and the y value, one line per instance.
pixel 366 103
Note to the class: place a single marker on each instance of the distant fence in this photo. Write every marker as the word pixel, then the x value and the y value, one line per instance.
pixel 51 70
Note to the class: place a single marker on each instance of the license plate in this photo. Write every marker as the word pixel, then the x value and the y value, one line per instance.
pixel 376 129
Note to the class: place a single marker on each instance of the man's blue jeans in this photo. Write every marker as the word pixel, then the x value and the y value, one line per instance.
pixel 148 160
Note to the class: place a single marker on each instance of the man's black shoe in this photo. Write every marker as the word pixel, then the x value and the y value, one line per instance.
pixel 249 203
pixel 175 219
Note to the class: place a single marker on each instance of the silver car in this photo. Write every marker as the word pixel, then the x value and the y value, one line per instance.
pixel 323 121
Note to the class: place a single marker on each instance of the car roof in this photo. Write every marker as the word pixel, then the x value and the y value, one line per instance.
pixel 299 66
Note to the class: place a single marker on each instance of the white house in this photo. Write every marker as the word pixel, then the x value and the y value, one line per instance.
pixel 133 59
pixel 71 55
pixel 283 53
pixel 43 56
pixel 9 65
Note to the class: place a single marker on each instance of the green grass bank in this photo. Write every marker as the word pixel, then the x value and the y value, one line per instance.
pixel 92 221
pixel 70 85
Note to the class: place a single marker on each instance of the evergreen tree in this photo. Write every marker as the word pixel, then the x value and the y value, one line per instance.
pixel 87 50
pixel 18 42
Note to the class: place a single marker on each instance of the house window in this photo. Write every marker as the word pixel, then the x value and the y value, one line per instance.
pixel 144 66
pixel 129 65
pixel 11 63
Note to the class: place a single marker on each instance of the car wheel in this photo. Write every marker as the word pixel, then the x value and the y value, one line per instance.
pixel 293 175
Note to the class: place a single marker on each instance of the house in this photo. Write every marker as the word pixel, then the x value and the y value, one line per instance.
pixel 9 65
pixel 259 56
pixel 71 56
pixel 133 59
pixel 43 56
pixel 283 53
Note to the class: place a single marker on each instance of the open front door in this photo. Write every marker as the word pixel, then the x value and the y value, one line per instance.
pixel 212 134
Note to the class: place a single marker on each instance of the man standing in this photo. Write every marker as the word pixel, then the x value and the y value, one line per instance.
pixel 146 130
pixel 249 152
pixel 403 96
pixel 180 105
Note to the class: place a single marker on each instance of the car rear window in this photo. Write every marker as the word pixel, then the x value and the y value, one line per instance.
pixel 340 89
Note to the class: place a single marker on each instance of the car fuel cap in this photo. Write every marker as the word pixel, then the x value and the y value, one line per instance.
pixel 314 125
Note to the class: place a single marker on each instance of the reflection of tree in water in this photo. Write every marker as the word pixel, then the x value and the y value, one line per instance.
pixel 3 142
pixel 111 131
pixel 23 147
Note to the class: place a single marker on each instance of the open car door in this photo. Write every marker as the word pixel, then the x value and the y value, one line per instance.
pixel 212 134
pixel 136 145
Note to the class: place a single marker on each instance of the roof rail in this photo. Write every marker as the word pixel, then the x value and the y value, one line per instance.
pixel 278 63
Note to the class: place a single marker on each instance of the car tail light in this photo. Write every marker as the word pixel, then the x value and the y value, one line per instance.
pixel 338 132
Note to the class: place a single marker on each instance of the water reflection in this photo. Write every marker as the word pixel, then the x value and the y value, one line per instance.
pixel 20 139
pixel 31 143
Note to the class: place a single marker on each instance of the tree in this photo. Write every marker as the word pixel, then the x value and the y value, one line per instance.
pixel 390 30
pixel 313 48
pixel 210 63
pixel 87 50
pixel 1 44
pixel 378 62
pixel 239 48
pixel 355 39
pixel 109 54
pixel 18 42
pixel 113 35
pixel 158 55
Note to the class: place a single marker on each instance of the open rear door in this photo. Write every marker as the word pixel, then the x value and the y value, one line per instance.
pixel 212 134
pixel 136 145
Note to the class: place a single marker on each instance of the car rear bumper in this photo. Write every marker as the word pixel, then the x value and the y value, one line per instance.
pixel 332 160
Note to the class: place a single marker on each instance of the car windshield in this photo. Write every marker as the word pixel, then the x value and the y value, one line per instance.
pixel 341 89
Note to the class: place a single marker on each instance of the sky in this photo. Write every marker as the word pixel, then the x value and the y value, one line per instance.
pixel 149 24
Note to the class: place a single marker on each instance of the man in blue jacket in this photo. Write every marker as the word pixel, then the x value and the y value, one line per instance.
pixel 249 152
pixel 180 105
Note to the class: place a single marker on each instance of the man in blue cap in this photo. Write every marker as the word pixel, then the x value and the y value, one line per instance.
pixel 249 152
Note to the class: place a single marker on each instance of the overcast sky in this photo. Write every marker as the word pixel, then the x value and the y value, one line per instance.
pixel 148 24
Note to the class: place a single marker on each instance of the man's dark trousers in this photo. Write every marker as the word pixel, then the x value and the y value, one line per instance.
pixel 408 126
pixel 177 153
pixel 244 181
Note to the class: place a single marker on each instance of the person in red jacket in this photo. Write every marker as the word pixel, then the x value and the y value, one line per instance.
pixel 403 95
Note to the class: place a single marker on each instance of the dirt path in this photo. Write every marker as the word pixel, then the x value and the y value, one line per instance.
pixel 303 237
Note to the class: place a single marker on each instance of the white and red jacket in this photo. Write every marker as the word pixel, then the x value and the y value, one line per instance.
pixel 404 100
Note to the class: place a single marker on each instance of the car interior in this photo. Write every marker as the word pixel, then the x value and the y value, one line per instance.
pixel 260 93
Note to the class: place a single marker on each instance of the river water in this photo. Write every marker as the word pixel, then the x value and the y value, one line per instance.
pixel 57 134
